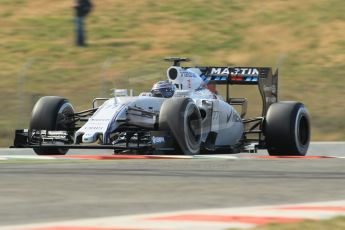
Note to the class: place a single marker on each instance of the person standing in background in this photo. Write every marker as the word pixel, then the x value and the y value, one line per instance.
pixel 82 9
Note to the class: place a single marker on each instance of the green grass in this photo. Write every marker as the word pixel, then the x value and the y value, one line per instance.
pixel 332 224
pixel 128 40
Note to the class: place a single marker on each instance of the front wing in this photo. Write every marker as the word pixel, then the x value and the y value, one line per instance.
pixel 142 141
pixel 131 140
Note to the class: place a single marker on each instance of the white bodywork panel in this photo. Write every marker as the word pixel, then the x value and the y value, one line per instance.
pixel 101 120
pixel 115 112
pixel 231 127
pixel 221 118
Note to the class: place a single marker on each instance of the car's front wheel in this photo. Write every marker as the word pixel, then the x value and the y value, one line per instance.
pixel 182 117
pixel 52 113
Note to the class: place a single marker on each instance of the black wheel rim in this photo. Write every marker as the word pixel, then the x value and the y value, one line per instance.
pixel 194 124
pixel 303 131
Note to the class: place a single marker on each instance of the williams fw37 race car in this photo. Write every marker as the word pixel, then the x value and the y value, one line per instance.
pixel 181 115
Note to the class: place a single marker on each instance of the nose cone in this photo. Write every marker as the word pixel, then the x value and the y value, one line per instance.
pixel 89 138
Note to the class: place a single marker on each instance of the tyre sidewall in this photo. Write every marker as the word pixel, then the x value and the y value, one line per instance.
pixel 285 134
pixel 45 113
pixel 45 116
pixel 174 116
pixel 300 145
pixel 192 143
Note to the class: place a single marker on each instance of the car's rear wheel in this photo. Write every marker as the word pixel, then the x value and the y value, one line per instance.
pixel 52 113
pixel 182 117
pixel 287 129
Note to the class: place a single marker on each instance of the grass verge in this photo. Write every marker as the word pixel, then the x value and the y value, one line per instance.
pixel 127 41
pixel 337 223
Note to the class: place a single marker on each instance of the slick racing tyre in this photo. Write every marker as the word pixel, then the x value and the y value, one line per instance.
pixel 51 113
pixel 182 118
pixel 287 129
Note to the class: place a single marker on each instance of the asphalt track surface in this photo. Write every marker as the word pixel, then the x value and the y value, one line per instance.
pixel 50 190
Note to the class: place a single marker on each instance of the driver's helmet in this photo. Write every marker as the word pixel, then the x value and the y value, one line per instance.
pixel 163 89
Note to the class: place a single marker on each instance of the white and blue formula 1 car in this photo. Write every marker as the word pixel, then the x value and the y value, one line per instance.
pixel 179 116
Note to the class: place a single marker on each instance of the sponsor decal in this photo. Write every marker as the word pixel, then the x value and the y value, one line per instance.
pixel 232 117
pixel 228 117
pixel 251 79
pixel 235 71
pixel 158 140
pixel 233 78
pixel 237 78
pixel 188 74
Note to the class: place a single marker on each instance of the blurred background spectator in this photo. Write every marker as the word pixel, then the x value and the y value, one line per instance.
pixel 82 9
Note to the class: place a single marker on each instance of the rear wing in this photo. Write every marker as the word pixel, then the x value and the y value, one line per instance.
pixel 262 76
pixel 235 75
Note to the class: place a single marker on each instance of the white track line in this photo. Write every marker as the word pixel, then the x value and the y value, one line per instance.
pixel 215 219
pixel 89 157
